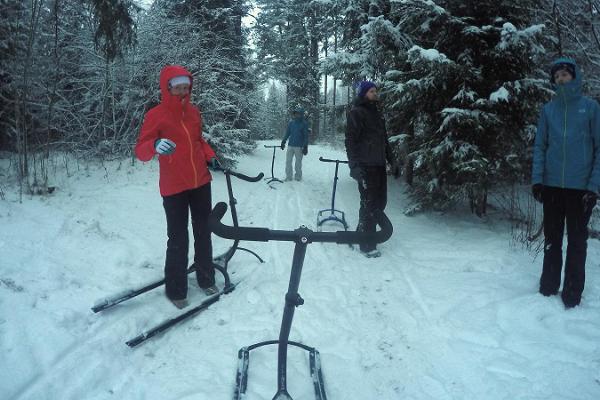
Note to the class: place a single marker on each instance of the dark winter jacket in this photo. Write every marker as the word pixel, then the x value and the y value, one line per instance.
pixel 297 132
pixel 181 122
pixel 366 138
pixel 567 144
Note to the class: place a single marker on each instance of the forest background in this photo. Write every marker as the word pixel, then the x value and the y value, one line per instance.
pixel 462 82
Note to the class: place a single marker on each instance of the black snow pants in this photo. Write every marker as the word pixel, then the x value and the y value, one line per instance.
pixel 560 205
pixel 373 196
pixel 177 208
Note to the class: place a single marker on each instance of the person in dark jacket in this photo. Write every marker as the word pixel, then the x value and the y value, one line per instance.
pixel 368 149
pixel 297 133
pixel 566 179
pixel 173 131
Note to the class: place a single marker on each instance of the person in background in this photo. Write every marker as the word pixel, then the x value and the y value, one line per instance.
pixel 566 179
pixel 297 132
pixel 173 131
pixel 368 150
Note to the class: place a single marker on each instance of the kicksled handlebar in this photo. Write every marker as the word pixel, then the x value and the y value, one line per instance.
pixel 335 161
pixel 242 176
pixel 302 234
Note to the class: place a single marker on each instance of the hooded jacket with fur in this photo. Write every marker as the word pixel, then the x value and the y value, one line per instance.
pixel 181 122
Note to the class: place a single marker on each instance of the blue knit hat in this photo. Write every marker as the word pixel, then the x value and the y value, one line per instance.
pixel 363 88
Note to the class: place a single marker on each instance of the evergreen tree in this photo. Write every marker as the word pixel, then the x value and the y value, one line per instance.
pixel 274 113
pixel 208 39
pixel 467 94
pixel 12 43
pixel 288 39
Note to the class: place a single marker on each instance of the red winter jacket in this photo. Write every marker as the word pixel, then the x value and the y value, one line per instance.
pixel 180 122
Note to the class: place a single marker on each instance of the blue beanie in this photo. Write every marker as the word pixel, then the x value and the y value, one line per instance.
pixel 363 88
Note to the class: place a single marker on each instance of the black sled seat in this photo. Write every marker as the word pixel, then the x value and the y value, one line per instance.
pixel 334 215
pixel 302 237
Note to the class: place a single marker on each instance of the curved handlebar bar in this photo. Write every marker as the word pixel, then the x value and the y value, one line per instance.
pixel 244 177
pixel 271 147
pixel 328 160
pixel 264 234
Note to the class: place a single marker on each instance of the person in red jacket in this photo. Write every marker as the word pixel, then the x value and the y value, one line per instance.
pixel 173 131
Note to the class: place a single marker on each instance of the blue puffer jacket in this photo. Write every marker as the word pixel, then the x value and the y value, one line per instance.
pixel 297 132
pixel 567 143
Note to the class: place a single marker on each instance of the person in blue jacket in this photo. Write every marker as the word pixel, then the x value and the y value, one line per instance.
pixel 566 179
pixel 297 133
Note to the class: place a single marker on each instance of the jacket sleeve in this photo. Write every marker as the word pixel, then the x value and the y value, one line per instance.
pixel 144 148
pixel 209 153
pixel 352 138
pixel 305 134
pixel 288 131
pixel 594 182
pixel 539 149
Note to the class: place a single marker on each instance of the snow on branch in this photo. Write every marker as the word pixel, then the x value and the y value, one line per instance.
pixel 417 53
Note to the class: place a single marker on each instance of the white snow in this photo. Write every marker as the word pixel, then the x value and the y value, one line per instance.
pixel 428 54
pixel 450 310
pixel 500 95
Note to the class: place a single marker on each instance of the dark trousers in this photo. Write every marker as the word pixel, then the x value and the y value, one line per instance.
pixel 373 196
pixel 198 202
pixel 560 205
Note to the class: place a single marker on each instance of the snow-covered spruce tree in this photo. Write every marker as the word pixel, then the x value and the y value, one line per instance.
pixel 272 116
pixel 371 45
pixel 287 41
pixel 12 43
pixel 467 95
pixel 207 38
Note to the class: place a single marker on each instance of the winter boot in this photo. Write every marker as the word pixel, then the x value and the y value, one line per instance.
pixel 211 290
pixel 180 303
pixel 371 253
pixel 570 301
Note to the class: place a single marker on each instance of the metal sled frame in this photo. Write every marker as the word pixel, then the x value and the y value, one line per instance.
pixel 241 379
pixel 332 216
pixel 302 237
pixel 225 257
pixel 272 178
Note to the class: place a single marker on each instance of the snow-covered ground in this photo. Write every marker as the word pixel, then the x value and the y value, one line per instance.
pixel 450 311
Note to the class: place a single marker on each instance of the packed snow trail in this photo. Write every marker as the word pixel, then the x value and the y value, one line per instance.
pixel 450 310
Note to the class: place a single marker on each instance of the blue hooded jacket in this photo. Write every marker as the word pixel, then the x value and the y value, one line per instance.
pixel 297 131
pixel 566 152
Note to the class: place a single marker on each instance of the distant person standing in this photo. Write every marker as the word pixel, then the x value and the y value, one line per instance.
pixel 566 179
pixel 368 149
pixel 173 131
pixel 297 132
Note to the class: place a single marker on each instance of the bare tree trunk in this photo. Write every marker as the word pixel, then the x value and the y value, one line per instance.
pixel 556 18
pixel 22 128
pixel 314 56
pixel 325 45
pixel 334 93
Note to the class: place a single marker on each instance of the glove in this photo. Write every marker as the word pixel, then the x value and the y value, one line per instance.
pixel 538 192
pixel 282 145
pixel 214 164
pixel 305 150
pixel 589 200
pixel 164 147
